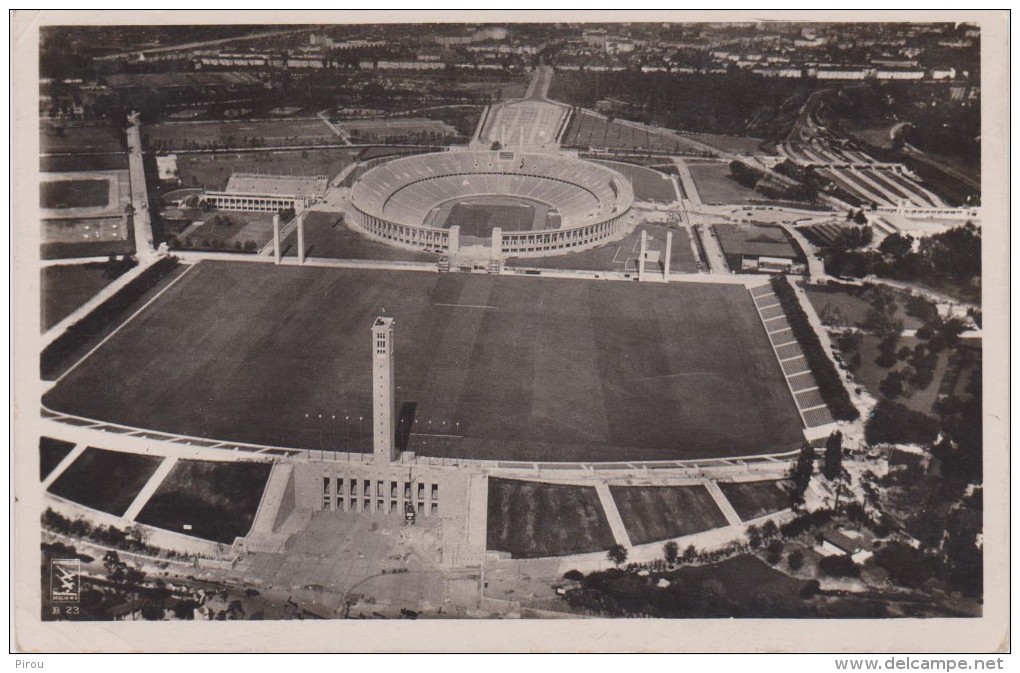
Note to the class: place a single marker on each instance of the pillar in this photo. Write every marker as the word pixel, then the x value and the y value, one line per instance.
pixel 644 251
pixel 301 239
pixel 384 447
pixel 276 238
pixel 497 242
pixel 669 253
pixel 453 239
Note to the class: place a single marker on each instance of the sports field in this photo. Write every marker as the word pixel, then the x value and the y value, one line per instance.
pixel 622 255
pixel 532 519
pixel 715 185
pixel 649 184
pixel 495 367
pixel 244 133
pixel 478 216
pixel 479 219
pixel 74 193
pixel 213 170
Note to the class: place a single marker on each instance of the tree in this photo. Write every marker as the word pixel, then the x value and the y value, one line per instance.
pixel 753 536
pixel 769 530
pixel 896 245
pixel 617 554
pixel 115 568
pixel 801 473
pixel 690 554
pixel 670 551
pixel 795 559
pixel 833 455
pixel 839 565
pixel 775 552
pixel 892 385
pixel 860 218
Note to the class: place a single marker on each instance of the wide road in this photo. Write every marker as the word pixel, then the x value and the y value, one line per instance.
pixel 141 216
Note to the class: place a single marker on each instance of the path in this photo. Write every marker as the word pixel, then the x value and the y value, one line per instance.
pixel 140 216
pixel 612 514
pixel 343 135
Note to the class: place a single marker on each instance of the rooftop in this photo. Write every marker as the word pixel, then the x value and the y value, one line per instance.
pixel 282 185
pixel 754 240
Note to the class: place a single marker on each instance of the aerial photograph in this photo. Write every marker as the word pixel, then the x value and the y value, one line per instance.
pixel 413 321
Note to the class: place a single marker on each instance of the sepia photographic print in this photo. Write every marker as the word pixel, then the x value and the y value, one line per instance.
pixel 560 331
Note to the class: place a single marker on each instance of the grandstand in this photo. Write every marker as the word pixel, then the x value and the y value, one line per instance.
pixel 393 201
pixel 268 193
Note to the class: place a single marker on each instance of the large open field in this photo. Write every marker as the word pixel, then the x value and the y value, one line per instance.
pixel 478 216
pixel 716 186
pixel 649 184
pixel 74 193
pixel 752 499
pixel 622 255
pixel 65 288
pixel 213 170
pixel 652 513
pixel 588 130
pixel 218 500
pixel 59 137
pixel 105 480
pixel 265 132
pixel 531 519
pixel 492 367
pixel 327 236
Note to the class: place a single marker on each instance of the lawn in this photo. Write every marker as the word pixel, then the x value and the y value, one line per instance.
pixel 326 236
pixel 64 288
pixel 524 368
pixel 267 132
pixel 532 519
pixel 105 480
pixel 218 499
pixel 588 130
pixel 213 170
pixel 55 137
pixel 74 193
pixel 649 184
pixel 479 219
pixel 51 452
pixel 653 513
pixel 841 306
pixel 752 499
pixel 870 375
pixel 86 333
pixel 732 144
pixel 622 255
pixel 716 186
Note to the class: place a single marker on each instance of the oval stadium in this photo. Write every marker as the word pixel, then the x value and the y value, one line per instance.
pixel 519 203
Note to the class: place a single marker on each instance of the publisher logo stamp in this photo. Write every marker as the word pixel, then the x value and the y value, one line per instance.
pixel 65 580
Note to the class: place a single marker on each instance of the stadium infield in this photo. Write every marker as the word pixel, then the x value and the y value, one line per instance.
pixel 486 367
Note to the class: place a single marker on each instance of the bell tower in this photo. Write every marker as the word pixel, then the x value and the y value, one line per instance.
pixel 384 447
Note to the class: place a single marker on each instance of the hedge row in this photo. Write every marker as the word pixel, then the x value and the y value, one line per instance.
pixel 55 355
pixel 830 386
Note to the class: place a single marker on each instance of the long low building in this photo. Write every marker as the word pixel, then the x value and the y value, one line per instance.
pixel 268 193
pixel 752 248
